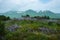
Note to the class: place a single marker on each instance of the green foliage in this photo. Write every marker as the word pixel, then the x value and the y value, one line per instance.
pixel 43 17
pixel 2 30
pixel 29 30
pixel 4 18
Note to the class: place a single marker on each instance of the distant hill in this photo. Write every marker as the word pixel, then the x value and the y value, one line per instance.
pixel 18 14
pixel 30 12
pixel 12 14
pixel 48 13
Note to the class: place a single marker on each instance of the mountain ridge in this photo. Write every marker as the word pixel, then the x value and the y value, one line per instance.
pixel 18 14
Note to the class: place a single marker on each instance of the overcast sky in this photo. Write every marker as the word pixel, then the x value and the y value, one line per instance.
pixel 22 5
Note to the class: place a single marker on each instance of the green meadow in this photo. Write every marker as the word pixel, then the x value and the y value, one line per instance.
pixel 29 30
pixel 14 29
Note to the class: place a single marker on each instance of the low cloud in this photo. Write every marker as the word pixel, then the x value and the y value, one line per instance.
pixel 7 5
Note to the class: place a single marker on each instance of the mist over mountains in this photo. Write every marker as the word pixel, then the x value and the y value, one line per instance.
pixel 32 13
